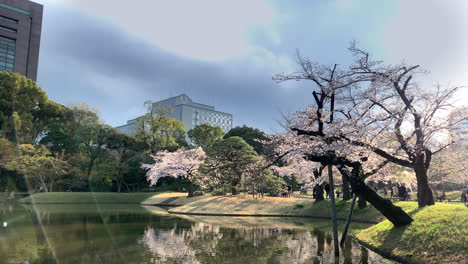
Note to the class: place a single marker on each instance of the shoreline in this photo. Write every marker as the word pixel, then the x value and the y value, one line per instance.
pixel 270 215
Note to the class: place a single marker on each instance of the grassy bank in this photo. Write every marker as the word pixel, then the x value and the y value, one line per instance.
pixel 87 197
pixel 276 206
pixel 171 199
pixel 163 198
pixel 439 234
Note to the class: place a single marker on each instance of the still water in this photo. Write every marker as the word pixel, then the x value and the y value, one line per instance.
pixel 136 234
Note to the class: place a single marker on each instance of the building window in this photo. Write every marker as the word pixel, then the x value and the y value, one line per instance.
pixel 4 18
pixel 8 29
pixel 7 54
pixel 12 8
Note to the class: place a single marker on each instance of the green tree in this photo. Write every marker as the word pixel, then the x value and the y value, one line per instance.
pixel 39 165
pixel 250 135
pixel 74 135
pixel 260 180
pixel 125 153
pixel 205 135
pixel 64 133
pixel 159 131
pixel 95 139
pixel 226 161
pixel 7 154
pixel 25 110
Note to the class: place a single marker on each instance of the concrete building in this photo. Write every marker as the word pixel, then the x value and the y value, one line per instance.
pixel 20 36
pixel 190 113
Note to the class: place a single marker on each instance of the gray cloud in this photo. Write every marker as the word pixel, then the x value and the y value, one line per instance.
pixel 85 59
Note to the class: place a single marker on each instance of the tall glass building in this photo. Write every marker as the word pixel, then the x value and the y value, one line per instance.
pixel 190 113
pixel 20 35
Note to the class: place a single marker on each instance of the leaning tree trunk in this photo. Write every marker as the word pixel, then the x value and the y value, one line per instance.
pixel 393 213
pixel 425 196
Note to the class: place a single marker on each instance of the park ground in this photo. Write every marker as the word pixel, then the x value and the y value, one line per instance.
pixel 439 233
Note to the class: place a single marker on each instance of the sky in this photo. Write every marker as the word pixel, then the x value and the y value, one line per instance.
pixel 116 54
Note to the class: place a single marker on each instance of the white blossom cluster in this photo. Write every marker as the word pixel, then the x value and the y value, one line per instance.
pixel 181 163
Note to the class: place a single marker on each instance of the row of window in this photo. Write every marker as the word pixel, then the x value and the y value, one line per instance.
pixel 7 46
pixel 19 10
pixel 6 64
pixel 8 19
pixel 8 69
pixel 8 29
pixel 7 54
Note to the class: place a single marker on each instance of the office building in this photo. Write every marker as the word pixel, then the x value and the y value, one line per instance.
pixel 20 35
pixel 190 113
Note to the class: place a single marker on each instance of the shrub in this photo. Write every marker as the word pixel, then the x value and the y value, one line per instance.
pixel 217 193
pixel 197 193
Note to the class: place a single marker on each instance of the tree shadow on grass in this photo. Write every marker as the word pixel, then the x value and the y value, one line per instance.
pixel 393 238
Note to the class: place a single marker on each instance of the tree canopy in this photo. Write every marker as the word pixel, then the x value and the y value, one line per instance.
pixel 205 135
pixel 226 161
pixel 159 131
pixel 250 135
pixel 25 110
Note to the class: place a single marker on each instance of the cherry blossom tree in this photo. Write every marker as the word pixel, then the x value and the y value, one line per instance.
pixel 406 124
pixel 320 137
pixel 449 168
pixel 179 164
pixel 310 173
pixel 380 109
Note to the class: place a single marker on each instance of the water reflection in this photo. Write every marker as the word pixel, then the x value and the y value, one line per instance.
pixel 131 234
pixel 203 243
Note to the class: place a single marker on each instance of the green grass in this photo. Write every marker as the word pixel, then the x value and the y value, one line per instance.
pixel 453 195
pixel 276 206
pixel 168 198
pixel 85 208
pixel 439 234
pixel 87 197
pixel 172 199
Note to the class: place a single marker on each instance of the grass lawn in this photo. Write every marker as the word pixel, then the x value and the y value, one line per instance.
pixel 172 199
pixel 239 205
pixel 453 195
pixel 439 234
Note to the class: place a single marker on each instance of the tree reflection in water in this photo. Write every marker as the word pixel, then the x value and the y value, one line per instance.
pixel 204 243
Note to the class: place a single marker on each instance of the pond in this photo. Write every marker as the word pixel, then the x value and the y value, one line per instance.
pixel 136 234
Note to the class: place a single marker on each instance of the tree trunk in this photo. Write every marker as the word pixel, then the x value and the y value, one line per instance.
pixel 318 193
pixel 362 202
pixel 346 192
pixel 234 183
pixel 393 213
pixel 425 196
pixel 318 188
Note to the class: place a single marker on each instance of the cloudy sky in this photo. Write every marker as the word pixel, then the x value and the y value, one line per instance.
pixel 116 54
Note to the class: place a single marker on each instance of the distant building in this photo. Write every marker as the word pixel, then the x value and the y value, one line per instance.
pixel 187 111
pixel 20 35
